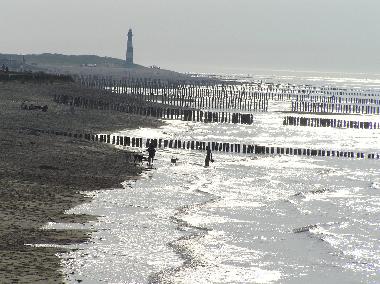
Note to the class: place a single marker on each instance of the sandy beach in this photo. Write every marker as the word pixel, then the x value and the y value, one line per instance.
pixel 42 176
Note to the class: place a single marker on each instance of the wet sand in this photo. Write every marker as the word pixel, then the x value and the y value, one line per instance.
pixel 42 176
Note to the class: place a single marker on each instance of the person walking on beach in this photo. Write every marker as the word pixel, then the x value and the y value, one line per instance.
pixel 208 156
pixel 152 152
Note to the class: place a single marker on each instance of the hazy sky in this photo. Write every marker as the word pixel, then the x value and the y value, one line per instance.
pixel 202 35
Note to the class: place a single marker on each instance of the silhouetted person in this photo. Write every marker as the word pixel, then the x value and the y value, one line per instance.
pixel 152 152
pixel 208 156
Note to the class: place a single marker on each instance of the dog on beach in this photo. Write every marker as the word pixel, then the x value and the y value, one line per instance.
pixel 139 158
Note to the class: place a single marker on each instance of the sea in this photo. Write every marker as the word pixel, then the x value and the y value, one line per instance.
pixel 247 218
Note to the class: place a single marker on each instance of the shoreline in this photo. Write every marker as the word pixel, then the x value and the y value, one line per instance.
pixel 42 175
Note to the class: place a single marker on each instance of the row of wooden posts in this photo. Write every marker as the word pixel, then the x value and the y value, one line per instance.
pixel 229 147
pixel 266 87
pixel 339 99
pixel 237 148
pixel 329 122
pixel 312 107
pixel 246 97
pixel 209 99
pixel 326 92
pixel 191 96
pixel 249 97
pixel 156 111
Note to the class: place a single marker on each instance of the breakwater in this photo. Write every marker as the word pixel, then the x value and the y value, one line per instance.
pixel 242 96
pixel 337 108
pixel 155 110
pixel 220 146
pixel 329 122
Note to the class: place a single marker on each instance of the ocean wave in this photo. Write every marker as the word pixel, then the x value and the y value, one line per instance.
pixel 316 228
pixel 304 229
pixel 219 263
pixel 360 255
pixel 304 194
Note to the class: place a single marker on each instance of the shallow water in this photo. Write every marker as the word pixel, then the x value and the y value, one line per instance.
pixel 315 78
pixel 246 218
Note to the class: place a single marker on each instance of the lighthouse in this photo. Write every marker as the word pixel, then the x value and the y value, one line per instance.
pixel 129 56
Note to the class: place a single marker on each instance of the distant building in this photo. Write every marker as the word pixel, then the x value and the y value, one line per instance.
pixel 11 63
pixel 129 56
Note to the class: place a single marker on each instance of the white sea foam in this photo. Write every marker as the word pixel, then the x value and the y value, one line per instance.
pixel 224 263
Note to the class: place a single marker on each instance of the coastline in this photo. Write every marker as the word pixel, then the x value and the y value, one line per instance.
pixel 42 176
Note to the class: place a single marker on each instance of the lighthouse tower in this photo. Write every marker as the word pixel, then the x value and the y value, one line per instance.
pixel 129 57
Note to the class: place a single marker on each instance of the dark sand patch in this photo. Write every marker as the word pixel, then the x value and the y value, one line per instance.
pixel 42 176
